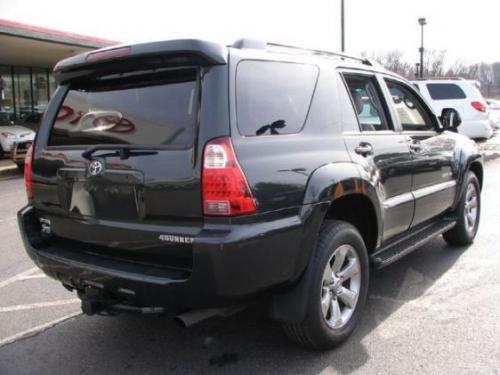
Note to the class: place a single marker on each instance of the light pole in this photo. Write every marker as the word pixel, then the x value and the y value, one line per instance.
pixel 422 22
pixel 342 26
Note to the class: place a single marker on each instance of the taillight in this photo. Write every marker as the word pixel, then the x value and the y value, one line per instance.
pixel 108 54
pixel 28 182
pixel 479 106
pixel 225 189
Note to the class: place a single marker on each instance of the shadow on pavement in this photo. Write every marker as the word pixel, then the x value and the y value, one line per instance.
pixel 246 343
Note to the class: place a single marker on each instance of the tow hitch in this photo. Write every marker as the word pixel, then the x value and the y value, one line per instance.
pixel 93 303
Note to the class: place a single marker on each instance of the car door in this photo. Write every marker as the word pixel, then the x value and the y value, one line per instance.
pixel 381 152
pixel 433 180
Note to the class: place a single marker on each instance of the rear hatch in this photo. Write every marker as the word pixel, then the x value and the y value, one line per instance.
pixel 116 170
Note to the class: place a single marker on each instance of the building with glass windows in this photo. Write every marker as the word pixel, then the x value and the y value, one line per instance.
pixel 27 57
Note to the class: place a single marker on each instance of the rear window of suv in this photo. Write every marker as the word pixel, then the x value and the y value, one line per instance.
pixel 144 109
pixel 445 91
pixel 273 97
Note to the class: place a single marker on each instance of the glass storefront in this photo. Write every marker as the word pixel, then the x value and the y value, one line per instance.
pixel 23 91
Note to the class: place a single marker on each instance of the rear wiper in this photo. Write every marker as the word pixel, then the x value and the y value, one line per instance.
pixel 123 151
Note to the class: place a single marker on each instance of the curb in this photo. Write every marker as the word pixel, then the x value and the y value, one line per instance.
pixel 10 171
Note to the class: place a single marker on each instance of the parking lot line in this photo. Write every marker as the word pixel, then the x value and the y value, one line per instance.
pixel 29 277
pixel 33 331
pixel 7 219
pixel 31 306
pixel 15 278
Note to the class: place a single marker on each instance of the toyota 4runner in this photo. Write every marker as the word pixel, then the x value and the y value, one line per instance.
pixel 188 178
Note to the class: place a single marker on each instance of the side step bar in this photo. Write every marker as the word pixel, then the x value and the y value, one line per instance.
pixel 398 249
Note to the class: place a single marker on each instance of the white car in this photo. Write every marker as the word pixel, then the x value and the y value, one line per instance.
pixel 494 112
pixel 11 134
pixel 462 95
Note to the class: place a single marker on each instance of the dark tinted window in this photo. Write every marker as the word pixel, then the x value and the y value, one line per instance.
pixel 145 110
pixel 273 97
pixel 444 91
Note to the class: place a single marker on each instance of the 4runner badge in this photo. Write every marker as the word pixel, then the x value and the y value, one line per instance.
pixel 175 239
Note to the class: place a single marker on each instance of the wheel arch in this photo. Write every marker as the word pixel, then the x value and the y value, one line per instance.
pixel 340 193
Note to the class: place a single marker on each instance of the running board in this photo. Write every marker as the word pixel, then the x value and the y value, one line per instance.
pixel 396 250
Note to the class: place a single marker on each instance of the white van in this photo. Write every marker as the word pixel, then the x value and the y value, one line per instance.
pixel 462 95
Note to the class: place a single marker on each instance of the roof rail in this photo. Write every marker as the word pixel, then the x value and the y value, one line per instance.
pixel 441 79
pixel 258 44
pixel 318 52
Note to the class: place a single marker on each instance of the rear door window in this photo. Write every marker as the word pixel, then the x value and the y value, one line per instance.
pixel 152 109
pixel 273 97
pixel 367 102
pixel 445 91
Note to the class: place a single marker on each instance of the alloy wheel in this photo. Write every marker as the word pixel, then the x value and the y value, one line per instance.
pixel 471 207
pixel 341 286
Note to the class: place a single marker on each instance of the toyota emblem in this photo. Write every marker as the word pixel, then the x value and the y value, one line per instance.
pixel 95 168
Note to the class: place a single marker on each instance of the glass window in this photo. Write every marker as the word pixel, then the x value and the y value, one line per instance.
pixel 52 84
pixel 273 97
pixel 22 87
pixel 6 96
pixel 445 91
pixel 40 90
pixel 412 115
pixel 367 103
pixel 154 109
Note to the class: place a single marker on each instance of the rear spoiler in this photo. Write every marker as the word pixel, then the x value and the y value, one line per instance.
pixel 150 55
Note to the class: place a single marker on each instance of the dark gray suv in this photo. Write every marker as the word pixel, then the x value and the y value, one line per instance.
pixel 188 178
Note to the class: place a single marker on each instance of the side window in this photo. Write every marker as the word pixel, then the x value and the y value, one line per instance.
pixel 445 91
pixel 273 98
pixel 412 114
pixel 367 102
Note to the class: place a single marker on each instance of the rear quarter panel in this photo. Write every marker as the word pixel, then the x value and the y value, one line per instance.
pixel 278 167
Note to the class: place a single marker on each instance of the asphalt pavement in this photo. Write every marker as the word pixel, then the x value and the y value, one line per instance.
pixel 437 311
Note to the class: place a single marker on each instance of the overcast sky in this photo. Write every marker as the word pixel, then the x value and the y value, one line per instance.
pixel 467 30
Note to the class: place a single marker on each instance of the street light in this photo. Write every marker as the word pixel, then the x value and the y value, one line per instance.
pixel 422 22
pixel 342 26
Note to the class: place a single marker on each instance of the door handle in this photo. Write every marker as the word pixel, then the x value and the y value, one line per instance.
pixel 415 147
pixel 364 149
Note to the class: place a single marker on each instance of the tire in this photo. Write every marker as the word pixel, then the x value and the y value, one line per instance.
pixel 468 214
pixel 320 330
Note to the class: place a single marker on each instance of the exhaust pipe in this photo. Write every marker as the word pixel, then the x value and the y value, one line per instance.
pixel 192 317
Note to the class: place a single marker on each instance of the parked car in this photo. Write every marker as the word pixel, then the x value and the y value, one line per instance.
pixel 462 95
pixel 31 121
pixel 10 135
pixel 18 153
pixel 494 106
pixel 218 175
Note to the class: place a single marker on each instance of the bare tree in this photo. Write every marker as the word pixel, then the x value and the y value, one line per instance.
pixel 488 75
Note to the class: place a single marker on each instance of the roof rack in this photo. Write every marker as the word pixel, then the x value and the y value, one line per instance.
pixel 441 79
pixel 259 44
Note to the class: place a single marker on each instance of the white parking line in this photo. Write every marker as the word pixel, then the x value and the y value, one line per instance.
pixel 29 277
pixel 32 331
pixel 37 305
pixel 15 278
pixel 7 219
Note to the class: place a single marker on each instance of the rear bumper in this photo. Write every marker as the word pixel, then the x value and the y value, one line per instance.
pixel 230 264
pixel 476 129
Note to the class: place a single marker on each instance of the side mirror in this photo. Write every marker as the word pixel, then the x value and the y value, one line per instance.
pixel 450 118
